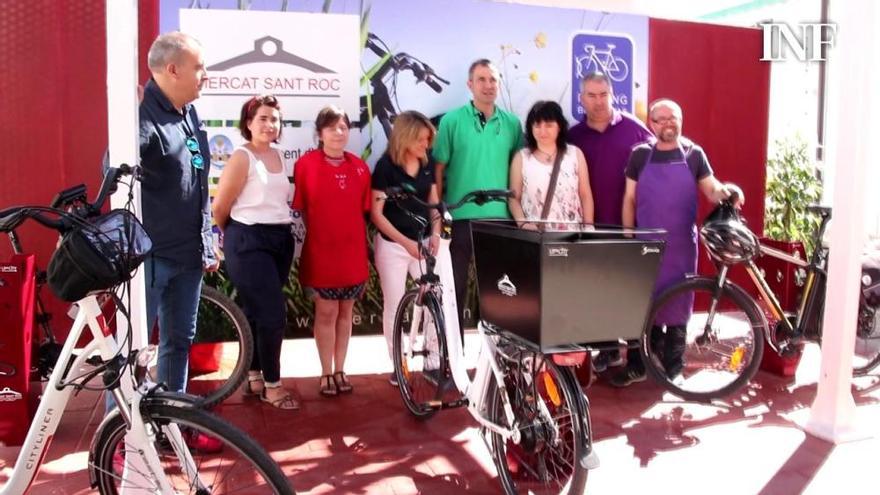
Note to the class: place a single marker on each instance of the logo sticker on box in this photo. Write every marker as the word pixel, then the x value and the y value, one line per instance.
pixel 506 286
pixel 9 395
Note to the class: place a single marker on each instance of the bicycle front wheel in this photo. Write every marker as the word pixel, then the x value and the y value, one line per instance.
pixel 553 424
pixel 421 363
pixel 222 349
pixel 241 466
pixel 700 343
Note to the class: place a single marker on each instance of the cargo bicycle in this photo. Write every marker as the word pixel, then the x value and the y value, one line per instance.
pixel 532 413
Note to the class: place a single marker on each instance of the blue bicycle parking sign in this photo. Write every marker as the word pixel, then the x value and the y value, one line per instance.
pixel 611 54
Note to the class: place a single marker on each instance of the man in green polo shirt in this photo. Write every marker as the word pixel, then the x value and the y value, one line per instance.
pixel 473 149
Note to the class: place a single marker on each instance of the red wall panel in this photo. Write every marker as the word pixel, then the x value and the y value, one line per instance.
pixel 714 73
pixel 53 105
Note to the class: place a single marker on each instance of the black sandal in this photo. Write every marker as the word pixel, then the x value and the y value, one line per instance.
pixel 328 386
pixel 254 385
pixel 342 383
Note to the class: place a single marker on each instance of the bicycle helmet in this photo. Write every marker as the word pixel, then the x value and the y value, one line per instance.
pixel 726 237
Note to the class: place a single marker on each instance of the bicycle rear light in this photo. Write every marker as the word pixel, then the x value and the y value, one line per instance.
pixel 575 358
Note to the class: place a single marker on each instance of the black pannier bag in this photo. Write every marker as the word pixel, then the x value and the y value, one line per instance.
pixel 97 255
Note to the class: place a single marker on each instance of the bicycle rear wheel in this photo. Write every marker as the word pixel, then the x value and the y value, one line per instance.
pixel 551 415
pixel 241 466
pixel 221 351
pixel 708 350
pixel 222 348
pixel 420 358
pixel 867 350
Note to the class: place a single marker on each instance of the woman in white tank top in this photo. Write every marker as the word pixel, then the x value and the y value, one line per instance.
pixel 252 207
pixel 532 167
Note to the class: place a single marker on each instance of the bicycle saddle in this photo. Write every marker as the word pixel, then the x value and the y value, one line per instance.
pixel 823 211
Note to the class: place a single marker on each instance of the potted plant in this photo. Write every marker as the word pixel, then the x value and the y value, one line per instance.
pixel 793 184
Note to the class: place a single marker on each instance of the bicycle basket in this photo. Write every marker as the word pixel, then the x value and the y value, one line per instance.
pixel 98 255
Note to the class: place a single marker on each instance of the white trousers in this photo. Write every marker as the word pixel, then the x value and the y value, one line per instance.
pixel 393 264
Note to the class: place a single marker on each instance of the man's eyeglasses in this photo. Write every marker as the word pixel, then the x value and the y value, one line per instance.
pixel 666 120
pixel 197 161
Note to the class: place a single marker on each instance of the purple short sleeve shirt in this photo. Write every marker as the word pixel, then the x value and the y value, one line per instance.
pixel 607 154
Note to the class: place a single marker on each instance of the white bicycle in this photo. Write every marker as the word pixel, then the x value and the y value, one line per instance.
pixel 142 445
pixel 532 413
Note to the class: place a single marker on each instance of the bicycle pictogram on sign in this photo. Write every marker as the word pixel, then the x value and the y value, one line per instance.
pixel 610 54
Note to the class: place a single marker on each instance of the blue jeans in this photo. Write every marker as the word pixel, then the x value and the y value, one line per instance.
pixel 173 295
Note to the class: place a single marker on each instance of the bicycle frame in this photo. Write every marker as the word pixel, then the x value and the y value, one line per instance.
pixel 474 392
pixel 57 394
pixel 813 288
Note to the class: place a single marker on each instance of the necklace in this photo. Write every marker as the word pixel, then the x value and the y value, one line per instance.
pixel 544 156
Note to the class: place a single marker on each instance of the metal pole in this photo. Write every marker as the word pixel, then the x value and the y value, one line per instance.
pixel 122 123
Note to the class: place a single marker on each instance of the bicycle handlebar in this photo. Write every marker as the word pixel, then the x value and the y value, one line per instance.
pixel 433 85
pixel 12 218
pixel 478 197
pixel 110 183
pixel 426 74
pixel 422 71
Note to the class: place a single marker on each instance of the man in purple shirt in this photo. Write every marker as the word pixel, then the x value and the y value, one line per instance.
pixel 606 136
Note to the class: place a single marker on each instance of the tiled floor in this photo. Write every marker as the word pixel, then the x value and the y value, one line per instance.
pixel 648 441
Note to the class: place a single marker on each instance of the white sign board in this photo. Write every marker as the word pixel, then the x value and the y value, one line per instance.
pixel 308 61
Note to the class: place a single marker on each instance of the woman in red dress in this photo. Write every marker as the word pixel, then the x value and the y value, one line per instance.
pixel 332 190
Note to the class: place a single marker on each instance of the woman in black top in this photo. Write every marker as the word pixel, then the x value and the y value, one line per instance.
pixel 407 164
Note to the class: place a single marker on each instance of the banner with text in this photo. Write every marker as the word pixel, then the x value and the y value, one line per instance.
pixel 376 59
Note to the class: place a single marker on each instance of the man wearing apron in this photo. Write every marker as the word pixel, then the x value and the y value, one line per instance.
pixel 662 179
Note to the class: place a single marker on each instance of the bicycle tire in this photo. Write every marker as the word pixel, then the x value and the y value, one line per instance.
pixel 106 458
pixel 561 444
pixel 699 375
pixel 421 369
pixel 867 347
pixel 220 318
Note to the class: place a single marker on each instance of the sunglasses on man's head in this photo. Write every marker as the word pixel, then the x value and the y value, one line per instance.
pixel 197 161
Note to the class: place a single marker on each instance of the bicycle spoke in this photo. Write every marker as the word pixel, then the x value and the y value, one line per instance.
pixel 239 466
pixel 697 360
